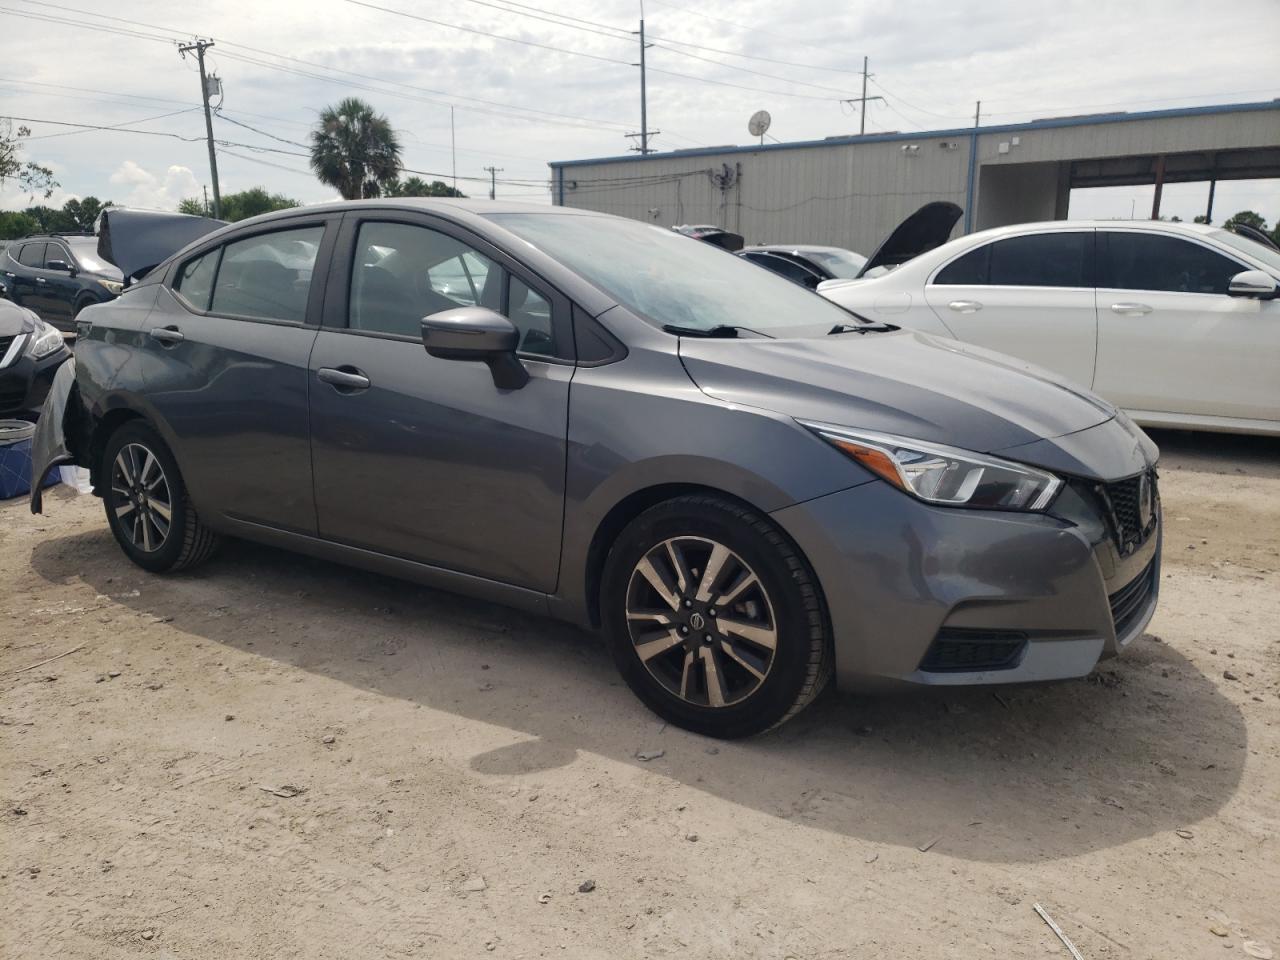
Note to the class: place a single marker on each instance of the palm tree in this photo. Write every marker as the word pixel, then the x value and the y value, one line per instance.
pixel 354 149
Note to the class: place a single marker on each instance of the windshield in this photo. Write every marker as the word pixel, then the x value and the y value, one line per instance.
pixel 667 278
pixel 1249 247
pixel 86 252
pixel 843 264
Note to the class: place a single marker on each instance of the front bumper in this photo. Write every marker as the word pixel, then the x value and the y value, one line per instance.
pixel 901 577
pixel 24 383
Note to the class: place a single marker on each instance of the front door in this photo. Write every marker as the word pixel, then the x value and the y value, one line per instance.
pixel 1029 296
pixel 60 287
pixel 426 459
pixel 226 351
pixel 1171 340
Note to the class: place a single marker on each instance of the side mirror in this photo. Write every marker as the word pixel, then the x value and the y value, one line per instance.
pixel 60 265
pixel 477 334
pixel 1254 284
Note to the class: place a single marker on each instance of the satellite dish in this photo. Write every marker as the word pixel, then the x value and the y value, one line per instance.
pixel 759 123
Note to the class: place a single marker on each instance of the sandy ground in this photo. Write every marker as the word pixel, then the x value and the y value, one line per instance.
pixel 276 757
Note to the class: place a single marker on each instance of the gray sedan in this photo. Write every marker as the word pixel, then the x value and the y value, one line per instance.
pixel 745 488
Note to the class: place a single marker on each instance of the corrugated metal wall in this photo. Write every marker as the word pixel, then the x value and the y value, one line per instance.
pixel 852 193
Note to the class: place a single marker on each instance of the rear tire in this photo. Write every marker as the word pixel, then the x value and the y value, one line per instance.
pixel 714 618
pixel 148 509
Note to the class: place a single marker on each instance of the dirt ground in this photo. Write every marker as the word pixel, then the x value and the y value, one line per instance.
pixel 278 757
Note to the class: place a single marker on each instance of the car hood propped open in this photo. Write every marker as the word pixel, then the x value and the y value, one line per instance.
pixel 137 240
pixel 906 383
pixel 928 227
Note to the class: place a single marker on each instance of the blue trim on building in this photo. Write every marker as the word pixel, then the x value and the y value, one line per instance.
pixel 965 132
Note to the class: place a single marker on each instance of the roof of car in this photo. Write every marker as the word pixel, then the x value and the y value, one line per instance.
pixel 1154 225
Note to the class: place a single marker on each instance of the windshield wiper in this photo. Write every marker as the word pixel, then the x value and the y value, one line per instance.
pixel 870 326
pixel 719 331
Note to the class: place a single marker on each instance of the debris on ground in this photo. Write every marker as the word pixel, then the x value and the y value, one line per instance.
pixel 586 886
pixel 474 884
pixel 288 790
pixel 648 755
pixel 1057 930
pixel 928 845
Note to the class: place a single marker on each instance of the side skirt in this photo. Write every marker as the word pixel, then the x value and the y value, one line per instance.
pixel 531 601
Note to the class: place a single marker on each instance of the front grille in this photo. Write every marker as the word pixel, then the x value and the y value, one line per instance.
pixel 5 344
pixel 1128 602
pixel 957 650
pixel 1131 510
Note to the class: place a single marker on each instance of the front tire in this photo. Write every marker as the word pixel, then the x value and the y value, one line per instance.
pixel 148 509
pixel 714 618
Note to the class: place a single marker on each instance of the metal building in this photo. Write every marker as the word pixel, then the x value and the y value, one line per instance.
pixel 851 191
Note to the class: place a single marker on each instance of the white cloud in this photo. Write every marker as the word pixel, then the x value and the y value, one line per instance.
pixel 150 191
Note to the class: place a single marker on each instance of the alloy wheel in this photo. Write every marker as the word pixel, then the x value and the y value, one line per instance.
pixel 701 621
pixel 141 497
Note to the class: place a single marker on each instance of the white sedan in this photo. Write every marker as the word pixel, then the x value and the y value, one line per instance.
pixel 1178 324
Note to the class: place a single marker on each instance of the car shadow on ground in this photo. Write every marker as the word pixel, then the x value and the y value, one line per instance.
pixel 1230 453
pixel 1009 775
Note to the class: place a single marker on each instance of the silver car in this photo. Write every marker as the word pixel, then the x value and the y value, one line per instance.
pixel 745 488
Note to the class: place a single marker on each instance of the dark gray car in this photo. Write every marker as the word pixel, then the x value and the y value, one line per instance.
pixel 745 488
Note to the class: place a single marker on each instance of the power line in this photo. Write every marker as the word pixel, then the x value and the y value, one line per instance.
pixel 115 126
pixel 514 111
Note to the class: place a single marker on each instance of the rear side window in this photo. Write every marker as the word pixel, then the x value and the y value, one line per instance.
pixel 1035 260
pixel 31 255
pixel 969 270
pixel 1137 261
pixel 195 279
pixel 268 276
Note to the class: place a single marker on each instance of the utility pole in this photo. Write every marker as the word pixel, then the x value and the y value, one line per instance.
pixel 862 100
pixel 644 133
pixel 200 46
pixel 493 180
pixel 453 151
pixel 205 187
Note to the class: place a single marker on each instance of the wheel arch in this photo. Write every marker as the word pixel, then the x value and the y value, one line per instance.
pixel 631 506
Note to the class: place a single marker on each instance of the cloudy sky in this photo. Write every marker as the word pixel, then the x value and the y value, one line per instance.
pixel 528 86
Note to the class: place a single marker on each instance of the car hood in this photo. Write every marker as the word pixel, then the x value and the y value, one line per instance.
pixel 928 227
pixel 137 240
pixel 904 382
pixel 15 319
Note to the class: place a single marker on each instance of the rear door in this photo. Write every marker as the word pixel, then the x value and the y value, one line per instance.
pixel 423 458
pixel 1030 296
pixel 1171 340
pixel 226 369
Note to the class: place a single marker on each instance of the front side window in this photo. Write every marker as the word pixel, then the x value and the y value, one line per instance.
pixel 531 313
pixel 1141 261
pixel 195 279
pixel 268 276
pixel 404 272
pixel 32 255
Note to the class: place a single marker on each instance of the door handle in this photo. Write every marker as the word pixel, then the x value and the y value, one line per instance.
pixel 41 280
pixel 344 379
pixel 1130 309
pixel 965 306
pixel 168 335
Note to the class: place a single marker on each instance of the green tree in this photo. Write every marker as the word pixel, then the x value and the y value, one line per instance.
pixel 33 178
pixel 50 220
pixel 355 150
pixel 1248 218
pixel 242 205
pixel 1201 218
pixel 417 187
pixel 83 214
pixel 14 225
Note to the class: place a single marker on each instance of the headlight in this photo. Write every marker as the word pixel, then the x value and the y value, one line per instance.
pixel 44 341
pixel 113 286
pixel 944 475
